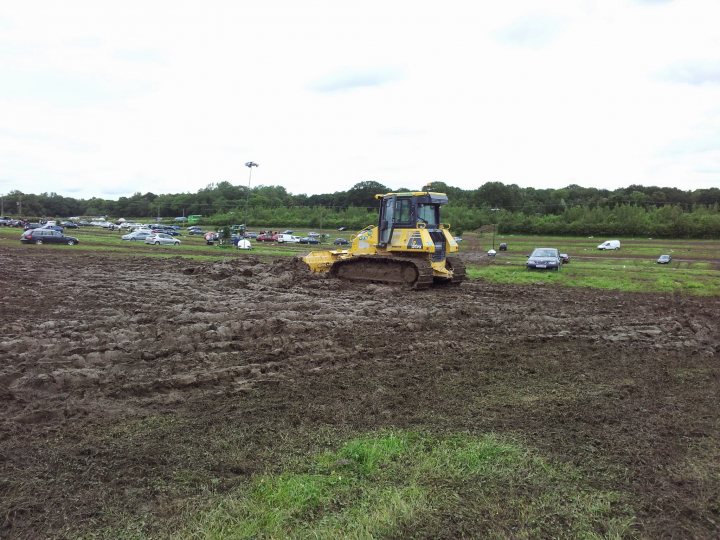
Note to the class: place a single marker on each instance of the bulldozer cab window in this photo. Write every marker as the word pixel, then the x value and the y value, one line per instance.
pixel 402 211
pixel 428 214
pixel 386 220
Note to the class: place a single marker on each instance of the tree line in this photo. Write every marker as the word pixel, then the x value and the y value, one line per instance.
pixel 573 210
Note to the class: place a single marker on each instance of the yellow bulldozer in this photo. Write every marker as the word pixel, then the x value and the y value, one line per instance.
pixel 408 246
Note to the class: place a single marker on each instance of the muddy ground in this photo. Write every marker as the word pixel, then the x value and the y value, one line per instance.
pixel 124 380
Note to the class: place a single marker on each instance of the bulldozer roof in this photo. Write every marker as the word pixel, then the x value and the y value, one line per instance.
pixel 431 197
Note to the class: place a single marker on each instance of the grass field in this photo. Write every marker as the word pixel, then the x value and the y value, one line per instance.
pixel 372 485
pixel 695 268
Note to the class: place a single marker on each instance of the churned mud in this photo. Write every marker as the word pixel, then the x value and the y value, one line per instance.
pixel 118 373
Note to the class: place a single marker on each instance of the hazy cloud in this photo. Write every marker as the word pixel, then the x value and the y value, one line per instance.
pixel 144 56
pixel 532 31
pixel 697 145
pixel 355 78
pixel 696 72
pixel 117 191
pixel 64 89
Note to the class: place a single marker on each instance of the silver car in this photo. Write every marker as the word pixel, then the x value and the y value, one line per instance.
pixel 136 235
pixel 162 239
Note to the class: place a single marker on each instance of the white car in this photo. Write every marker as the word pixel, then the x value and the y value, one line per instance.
pixel 162 239
pixel 288 238
pixel 610 244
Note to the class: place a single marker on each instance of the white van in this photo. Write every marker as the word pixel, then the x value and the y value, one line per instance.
pixel 610 244
pixel 288 238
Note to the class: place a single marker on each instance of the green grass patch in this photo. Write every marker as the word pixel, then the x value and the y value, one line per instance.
pixel 382 484
pixel 192 247
pixel 650 248
pixel 631 275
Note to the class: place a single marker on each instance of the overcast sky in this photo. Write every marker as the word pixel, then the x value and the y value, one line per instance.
pixel 108 98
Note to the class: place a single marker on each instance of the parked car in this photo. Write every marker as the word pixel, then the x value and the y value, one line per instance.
pixel 287 238
pixel 192 232
pixel 544 259
pixel 565 258
pixel 53 227
pixel 165 230
pixel 70 225
pixel 252 235
pixel 610 244
pixel 267 237
pixel 502 246
pixel 136 235
pixel 162 239
pixel 664 259
pixel 341 242
pixel 32 226
pixel 312 234
pixel 458 239
pixel 289 231
pixel 309 240
pixel 47 236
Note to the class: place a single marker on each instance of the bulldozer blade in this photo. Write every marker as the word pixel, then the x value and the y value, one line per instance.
pixel 321 261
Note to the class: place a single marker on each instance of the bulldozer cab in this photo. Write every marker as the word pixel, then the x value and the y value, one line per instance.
pixel 408 211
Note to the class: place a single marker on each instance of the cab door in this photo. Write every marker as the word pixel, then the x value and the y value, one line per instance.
pixel 387 214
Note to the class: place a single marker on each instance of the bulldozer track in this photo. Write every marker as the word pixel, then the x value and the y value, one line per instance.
pixel 458 268
pixel 412 271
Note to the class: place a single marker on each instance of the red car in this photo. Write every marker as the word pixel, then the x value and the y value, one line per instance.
pixel 267 237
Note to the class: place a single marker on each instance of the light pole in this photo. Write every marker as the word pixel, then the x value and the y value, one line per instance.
pixel 249 165
pixel 494 210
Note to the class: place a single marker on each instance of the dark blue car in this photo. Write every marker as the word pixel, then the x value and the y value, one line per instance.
pixel 47 236
pixel 544 259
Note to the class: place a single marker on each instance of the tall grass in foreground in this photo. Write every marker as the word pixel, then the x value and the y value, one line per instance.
pixel 396 483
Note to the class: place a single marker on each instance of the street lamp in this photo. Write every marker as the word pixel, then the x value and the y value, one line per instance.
pixel 494 210
pixel 249 165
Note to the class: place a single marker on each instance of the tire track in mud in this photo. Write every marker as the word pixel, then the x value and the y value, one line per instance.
pixel 138 327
